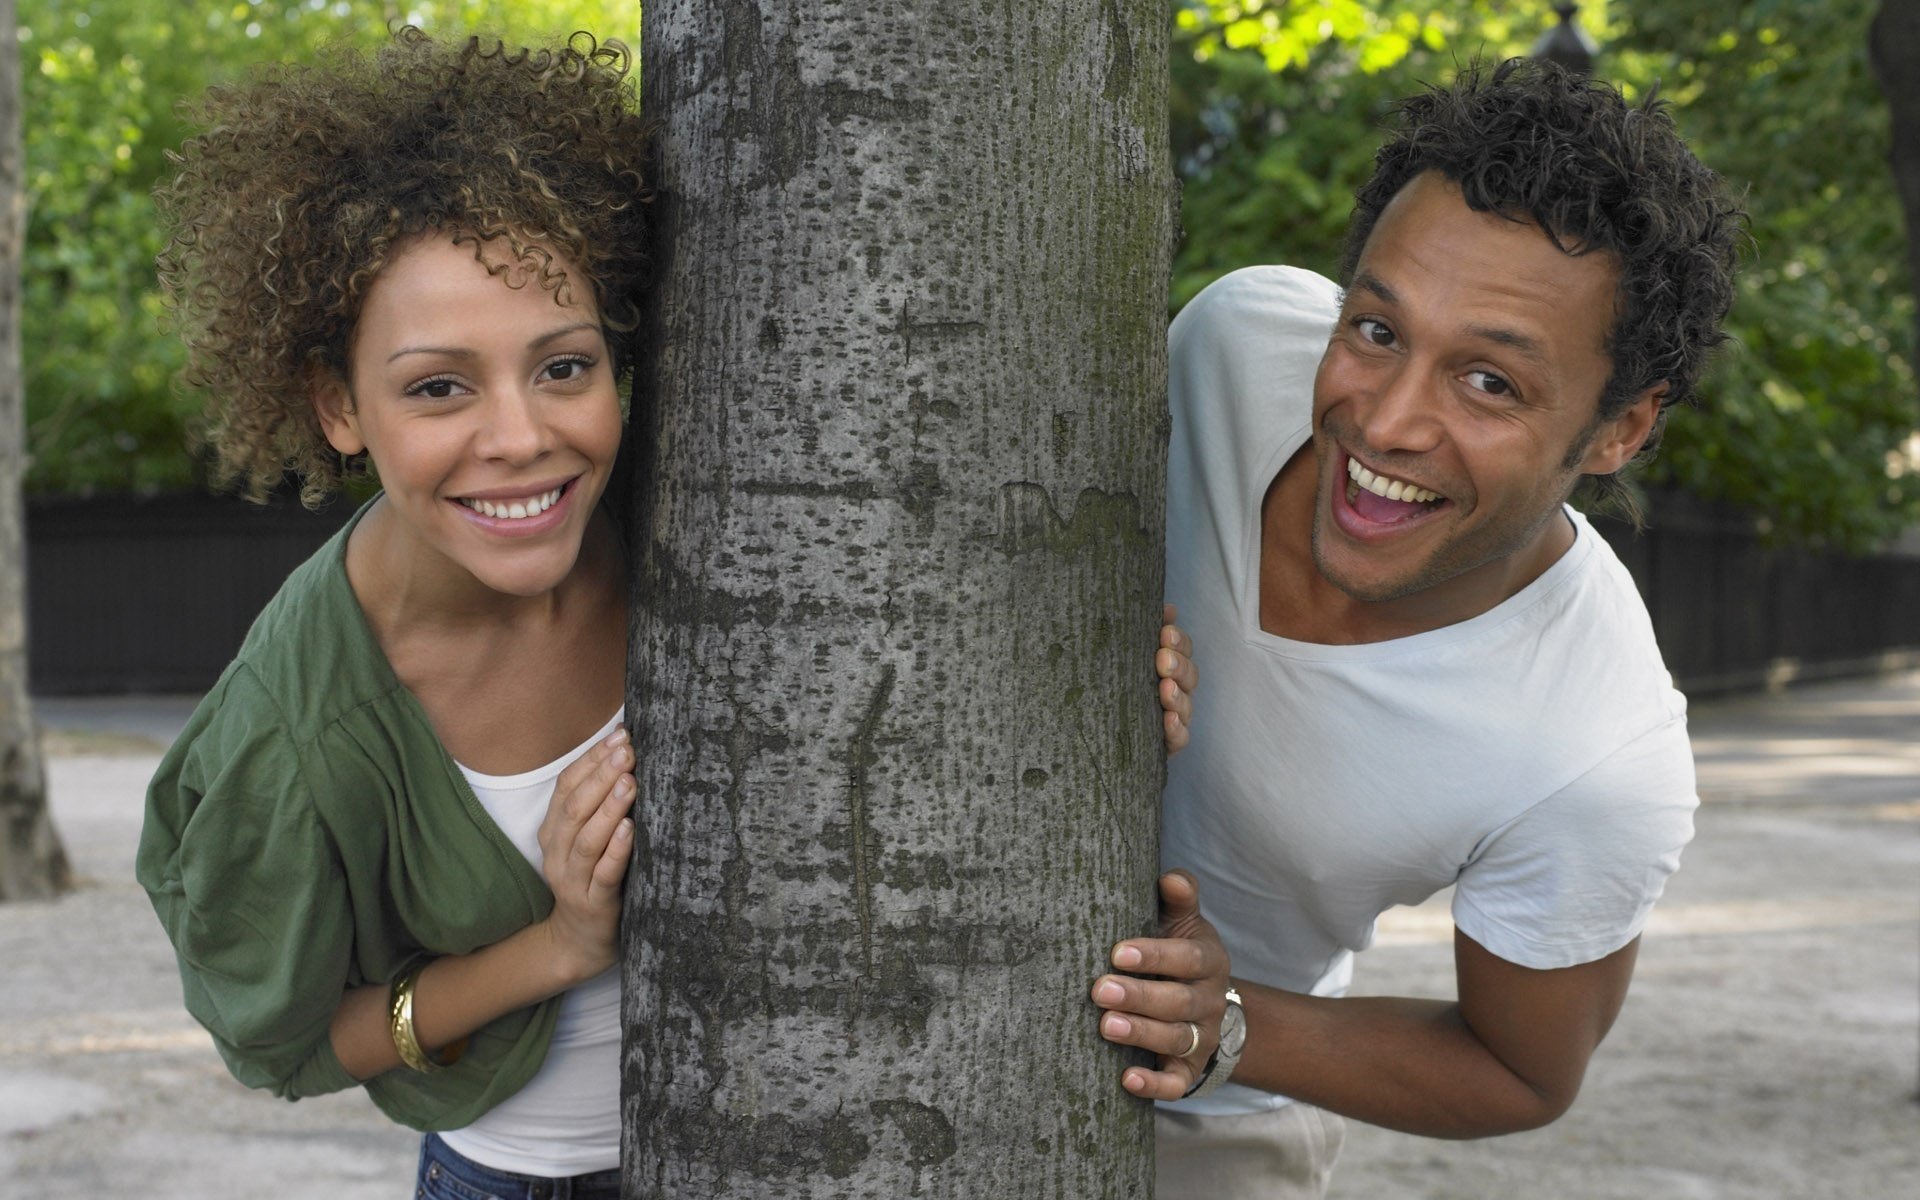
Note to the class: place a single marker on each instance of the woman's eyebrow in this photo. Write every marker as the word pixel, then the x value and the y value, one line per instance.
pixel 552 335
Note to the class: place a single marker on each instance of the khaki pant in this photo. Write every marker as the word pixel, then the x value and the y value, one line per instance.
pixel 1284 1154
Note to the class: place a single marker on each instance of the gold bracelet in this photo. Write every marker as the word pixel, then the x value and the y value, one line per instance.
pixel 400 1024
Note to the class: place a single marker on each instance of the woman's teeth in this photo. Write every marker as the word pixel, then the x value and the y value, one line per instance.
pixel 517 509
pixel 1392 489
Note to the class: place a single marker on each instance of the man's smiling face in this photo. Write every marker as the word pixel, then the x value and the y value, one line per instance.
pixel 1456 404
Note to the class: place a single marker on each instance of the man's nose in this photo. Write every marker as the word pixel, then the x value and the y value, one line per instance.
pixel 1402 412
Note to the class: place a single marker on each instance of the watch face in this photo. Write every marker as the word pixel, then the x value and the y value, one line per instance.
pixel 1233 1030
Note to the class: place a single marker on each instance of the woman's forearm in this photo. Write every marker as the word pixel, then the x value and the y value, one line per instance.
pixel 452 997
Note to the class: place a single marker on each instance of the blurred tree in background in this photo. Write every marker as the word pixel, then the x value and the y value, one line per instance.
pixel 1276 108
pixel 1808 422
pixel 1808 417
pixel 102 81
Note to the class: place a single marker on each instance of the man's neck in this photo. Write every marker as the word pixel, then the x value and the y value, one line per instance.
pixel 1300 603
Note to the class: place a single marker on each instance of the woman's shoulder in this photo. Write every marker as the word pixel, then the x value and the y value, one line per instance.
pixel 307 671
pixel 311 649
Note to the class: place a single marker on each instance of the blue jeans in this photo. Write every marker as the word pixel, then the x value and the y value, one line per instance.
pixel 445 1175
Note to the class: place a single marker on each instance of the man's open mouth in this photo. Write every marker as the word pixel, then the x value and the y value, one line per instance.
pixel 1385 500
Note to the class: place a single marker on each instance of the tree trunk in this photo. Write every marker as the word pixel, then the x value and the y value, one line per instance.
pixel 1893 47
pixel 32 864
pixel 898 549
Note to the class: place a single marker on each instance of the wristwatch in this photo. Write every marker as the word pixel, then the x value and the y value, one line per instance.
pixel 1226 1056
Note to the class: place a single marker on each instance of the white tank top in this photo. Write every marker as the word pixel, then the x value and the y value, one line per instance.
pixel 566 1120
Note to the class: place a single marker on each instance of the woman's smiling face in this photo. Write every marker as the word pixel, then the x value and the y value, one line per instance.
pixel 488 406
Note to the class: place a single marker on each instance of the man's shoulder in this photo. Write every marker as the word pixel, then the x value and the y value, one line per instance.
pixel 1604 614
pixel 1264 299
pixel 1587 663
pixel 1242 354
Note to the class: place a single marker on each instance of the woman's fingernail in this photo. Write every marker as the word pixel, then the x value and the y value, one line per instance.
pixel 617 737
pixel 624 830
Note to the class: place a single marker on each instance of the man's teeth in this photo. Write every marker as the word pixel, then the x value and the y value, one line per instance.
pixel 516 509
pixel 1392 489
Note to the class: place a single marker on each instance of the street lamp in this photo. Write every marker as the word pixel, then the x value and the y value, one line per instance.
pixel 1567 43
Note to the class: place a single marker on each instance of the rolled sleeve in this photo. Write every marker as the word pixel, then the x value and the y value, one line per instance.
pixel 1574 878
pixel 250 890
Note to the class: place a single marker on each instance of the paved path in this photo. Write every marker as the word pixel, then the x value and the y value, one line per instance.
pixel 1769 1050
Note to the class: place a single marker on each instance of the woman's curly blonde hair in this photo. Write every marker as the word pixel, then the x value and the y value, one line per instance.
pixel 307 179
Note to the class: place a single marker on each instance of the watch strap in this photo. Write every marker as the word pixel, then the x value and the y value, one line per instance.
pixel 1221 1062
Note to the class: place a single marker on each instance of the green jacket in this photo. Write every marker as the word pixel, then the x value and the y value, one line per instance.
pixel 308 834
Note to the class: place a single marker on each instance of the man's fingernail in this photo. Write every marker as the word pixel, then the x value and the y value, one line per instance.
pixel 1116 1026
pixel 1126 956
pixel 1109 992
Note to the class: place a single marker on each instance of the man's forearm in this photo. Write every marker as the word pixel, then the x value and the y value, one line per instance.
pixel 1411 1065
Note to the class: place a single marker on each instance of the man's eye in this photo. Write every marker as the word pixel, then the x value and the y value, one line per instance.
pixel 1488 382
pixel 1374 331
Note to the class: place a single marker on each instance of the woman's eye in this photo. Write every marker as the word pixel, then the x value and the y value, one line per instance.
pixel 1488 382
pixel 1374 331
pixel 567 368
pixel 433 389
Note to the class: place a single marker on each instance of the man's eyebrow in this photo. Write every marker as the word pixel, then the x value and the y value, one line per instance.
pixel 552 335
pixel 1520 343
pixel 1368 282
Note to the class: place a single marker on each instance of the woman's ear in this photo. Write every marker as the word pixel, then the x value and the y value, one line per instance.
pixel 1618 439
pixel 332 403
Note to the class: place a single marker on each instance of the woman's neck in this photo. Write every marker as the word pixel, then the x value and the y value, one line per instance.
pixel 407 591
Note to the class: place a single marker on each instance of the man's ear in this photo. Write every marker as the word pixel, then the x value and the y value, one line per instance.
pixel 333 404
pixel 1620 437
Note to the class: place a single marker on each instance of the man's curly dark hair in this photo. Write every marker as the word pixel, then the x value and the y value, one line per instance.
pixel 1530 141
pixel 308 179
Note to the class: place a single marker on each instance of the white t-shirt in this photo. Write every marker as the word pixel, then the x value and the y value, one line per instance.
pixel 566 1120
pixel 1535 755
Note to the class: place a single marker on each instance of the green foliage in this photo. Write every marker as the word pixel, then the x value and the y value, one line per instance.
pixel 102 80
pixel 1276 109
pixel 1805 416
pixel 1277 105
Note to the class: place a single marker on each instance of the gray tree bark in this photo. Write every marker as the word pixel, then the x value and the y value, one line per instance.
pixel 32 863
pixel 898 573
pixel 1893 47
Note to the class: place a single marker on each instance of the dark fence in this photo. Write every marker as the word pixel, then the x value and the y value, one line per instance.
pixel 1732 613
pixel 130 595
pixel 155 595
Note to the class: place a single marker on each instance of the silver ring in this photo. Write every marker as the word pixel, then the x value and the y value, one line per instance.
pixel 1192 1045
